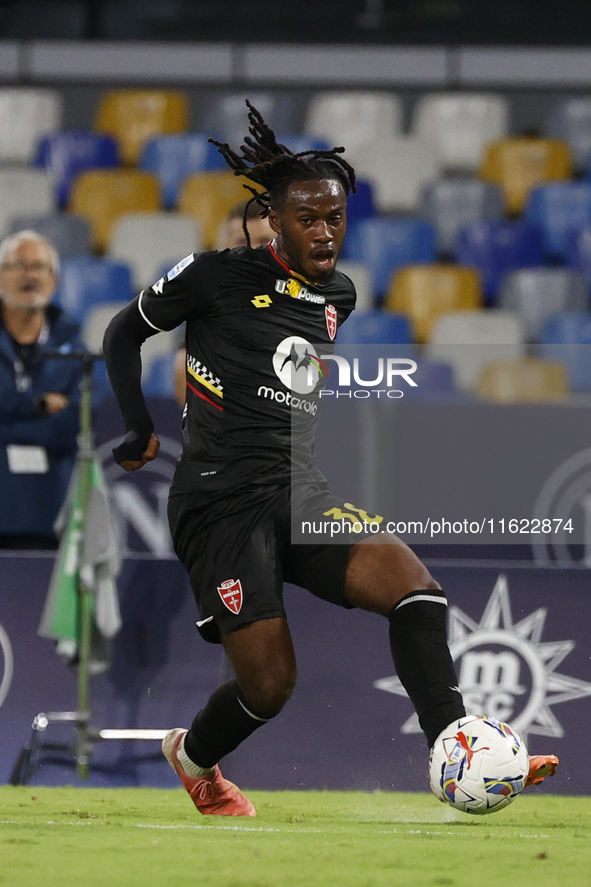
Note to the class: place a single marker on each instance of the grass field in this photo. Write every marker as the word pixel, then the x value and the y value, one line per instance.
pixel 67 837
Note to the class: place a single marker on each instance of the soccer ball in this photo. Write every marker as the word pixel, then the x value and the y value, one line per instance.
pixel 478 765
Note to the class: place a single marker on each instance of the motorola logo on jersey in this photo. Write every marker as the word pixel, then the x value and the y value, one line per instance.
pixel 297 365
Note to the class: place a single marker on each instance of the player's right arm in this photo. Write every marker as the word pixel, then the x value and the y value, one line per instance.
pixel 178 296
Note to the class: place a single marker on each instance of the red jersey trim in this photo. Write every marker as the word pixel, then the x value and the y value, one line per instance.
pixel 204 397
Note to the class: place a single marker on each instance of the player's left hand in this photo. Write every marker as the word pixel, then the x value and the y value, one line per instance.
pixel 149 453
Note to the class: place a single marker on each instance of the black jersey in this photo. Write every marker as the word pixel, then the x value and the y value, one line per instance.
pixel 255 336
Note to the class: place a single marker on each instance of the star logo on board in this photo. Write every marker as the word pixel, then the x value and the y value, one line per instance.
pixel 505 669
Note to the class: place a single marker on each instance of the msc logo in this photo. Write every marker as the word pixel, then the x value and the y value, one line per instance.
pixel 505 669
pixel 6 665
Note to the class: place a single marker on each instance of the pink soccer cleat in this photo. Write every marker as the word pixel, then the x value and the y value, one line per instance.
pixel 541 766
pixel 211 794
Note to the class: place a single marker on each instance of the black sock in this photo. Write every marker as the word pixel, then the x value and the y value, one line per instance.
pixel 418 638
pixel 220 727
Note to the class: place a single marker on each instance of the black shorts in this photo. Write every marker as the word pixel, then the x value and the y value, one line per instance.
pixel 237 549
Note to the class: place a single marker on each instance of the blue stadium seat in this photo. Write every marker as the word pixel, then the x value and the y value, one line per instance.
pixel 497 247
pixel 375 328
pixel 386 244
pixel 174 157
pixel 87 281
pixel 69 234
pixel 160 381
pixel 66 154
pixel 558 208
pixel 361 205
pixel 566 338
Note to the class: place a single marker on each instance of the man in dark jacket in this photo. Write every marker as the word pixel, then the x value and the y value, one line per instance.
pixel 38 395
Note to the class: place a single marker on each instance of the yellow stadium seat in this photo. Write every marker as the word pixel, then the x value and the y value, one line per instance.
pixel 102 195
pixel 208 197
pixel 519 164
pixel 134 116
pixel 425 292
pixel 528 380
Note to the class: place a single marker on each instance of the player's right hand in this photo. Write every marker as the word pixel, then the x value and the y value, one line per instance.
pixel 133 453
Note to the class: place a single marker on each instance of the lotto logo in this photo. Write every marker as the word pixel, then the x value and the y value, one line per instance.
pixel 230 592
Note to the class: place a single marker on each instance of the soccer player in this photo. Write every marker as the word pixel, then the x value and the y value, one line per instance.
pixel 247 313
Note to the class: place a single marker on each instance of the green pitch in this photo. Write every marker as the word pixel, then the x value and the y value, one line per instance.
pixel 68 837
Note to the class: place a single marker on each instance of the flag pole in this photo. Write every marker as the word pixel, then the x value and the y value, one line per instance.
pixel 85 601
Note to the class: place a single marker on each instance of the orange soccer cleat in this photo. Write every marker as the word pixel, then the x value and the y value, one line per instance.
pixel 541 766
pixel 211 794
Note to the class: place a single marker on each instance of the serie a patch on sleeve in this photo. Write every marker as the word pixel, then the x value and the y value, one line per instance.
pixel 174 272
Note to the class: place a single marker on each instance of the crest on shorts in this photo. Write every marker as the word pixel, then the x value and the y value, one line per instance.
pixel 331 321
pixel 230 592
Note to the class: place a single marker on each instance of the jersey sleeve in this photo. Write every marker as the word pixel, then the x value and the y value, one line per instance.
pixel 185 292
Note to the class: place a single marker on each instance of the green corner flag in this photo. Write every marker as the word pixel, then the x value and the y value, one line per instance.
pixel 89 554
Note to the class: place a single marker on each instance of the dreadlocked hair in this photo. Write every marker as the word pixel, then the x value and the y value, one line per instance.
pixel 273 167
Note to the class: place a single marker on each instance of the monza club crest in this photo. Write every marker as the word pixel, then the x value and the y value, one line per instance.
pixel 331 321
pixel 230 592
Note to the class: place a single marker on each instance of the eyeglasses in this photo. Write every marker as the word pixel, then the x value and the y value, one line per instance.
pixel 24 267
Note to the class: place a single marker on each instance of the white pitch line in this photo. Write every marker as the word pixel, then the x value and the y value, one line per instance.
pixel 245 828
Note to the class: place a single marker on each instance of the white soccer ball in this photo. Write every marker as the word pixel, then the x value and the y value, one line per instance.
pixel 478 765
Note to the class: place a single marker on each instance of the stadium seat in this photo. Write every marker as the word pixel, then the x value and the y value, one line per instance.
pixel 386 244
pixel 433 378
pixel 497 247
pixel 102 195
pixel 424 292
pixel 159 382
pixel 134 116
pixel 375 328
pixel 361 205
pixel 528 380
pixel 566 338
pixel 66 154
pixel 173 158
pixel 24 192
pixel 570 120
pixel 87 282
pixel 361 277
pixel 208 197
pixel 535 294
pixel 519 164
pixel 354 119
pixel 578 250
pixel 398 168
pixel 225 115
pixel 450 204
pixel 97 321
pixel 68 233
pixel 26 114
pixel 469 339
pixel 303 141
pixel 146 240
pixel 557 209
pixel 459 125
